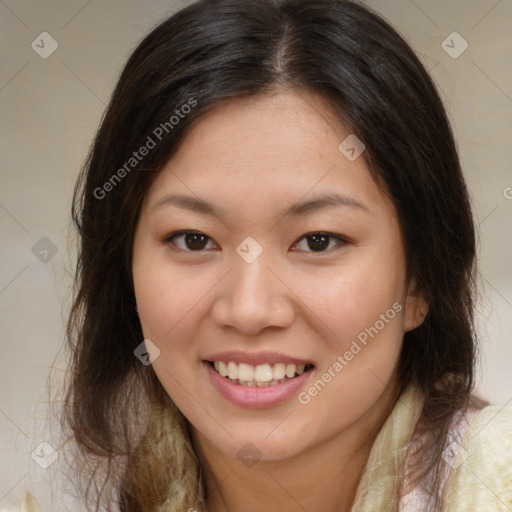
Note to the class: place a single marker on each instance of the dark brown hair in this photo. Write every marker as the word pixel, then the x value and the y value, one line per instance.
pixel 204 55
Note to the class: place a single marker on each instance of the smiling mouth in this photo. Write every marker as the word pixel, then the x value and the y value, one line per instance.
pixel 262 375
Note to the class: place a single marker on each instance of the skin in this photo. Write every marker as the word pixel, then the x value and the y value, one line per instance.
pixel 251 158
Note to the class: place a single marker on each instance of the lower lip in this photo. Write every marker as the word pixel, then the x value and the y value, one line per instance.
pixel 256 397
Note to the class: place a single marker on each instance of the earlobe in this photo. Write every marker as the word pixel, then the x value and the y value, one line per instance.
pixel 416 307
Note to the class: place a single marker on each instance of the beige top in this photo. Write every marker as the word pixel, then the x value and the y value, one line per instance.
pixel 478 463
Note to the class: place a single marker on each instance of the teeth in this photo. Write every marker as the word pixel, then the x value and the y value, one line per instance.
pixel 279 371
pixel 232 370
pixel 245 372
pixel 261 375
pixel 223 370
pixel 290 370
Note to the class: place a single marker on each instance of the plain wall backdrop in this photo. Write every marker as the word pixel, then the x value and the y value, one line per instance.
pixel 51 105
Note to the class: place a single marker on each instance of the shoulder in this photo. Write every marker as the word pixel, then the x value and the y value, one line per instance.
pixel 28 504
pixel 481 464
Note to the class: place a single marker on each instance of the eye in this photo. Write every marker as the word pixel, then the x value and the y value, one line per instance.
pixel 193 240
pixel 319 241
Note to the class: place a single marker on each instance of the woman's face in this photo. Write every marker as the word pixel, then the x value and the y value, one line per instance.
pixel 297 266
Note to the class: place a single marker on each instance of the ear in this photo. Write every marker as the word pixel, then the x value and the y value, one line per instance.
pixel 416 307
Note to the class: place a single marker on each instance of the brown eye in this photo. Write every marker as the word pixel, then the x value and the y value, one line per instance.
pixel 319 242
pixel 193 240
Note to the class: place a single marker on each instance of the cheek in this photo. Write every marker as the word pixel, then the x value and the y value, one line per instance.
pixel 364 313
pixel 168 296
pixel 170 300
pixel 361 336
pixel 350 300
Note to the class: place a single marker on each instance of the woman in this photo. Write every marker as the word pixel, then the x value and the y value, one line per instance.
pixel 276 276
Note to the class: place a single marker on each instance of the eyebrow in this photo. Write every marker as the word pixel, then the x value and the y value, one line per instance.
pixel 301 208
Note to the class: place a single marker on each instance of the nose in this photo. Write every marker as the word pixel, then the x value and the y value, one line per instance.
pixel 252 297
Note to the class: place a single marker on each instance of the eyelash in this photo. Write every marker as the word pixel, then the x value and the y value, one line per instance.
pixel 342 241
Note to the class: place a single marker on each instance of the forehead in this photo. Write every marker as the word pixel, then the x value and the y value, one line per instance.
pixel 289 125
pixel 271 148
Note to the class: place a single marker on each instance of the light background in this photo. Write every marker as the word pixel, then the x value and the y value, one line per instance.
pixel 50 109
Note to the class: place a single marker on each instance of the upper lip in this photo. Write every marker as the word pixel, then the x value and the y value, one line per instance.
pixel 256 358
